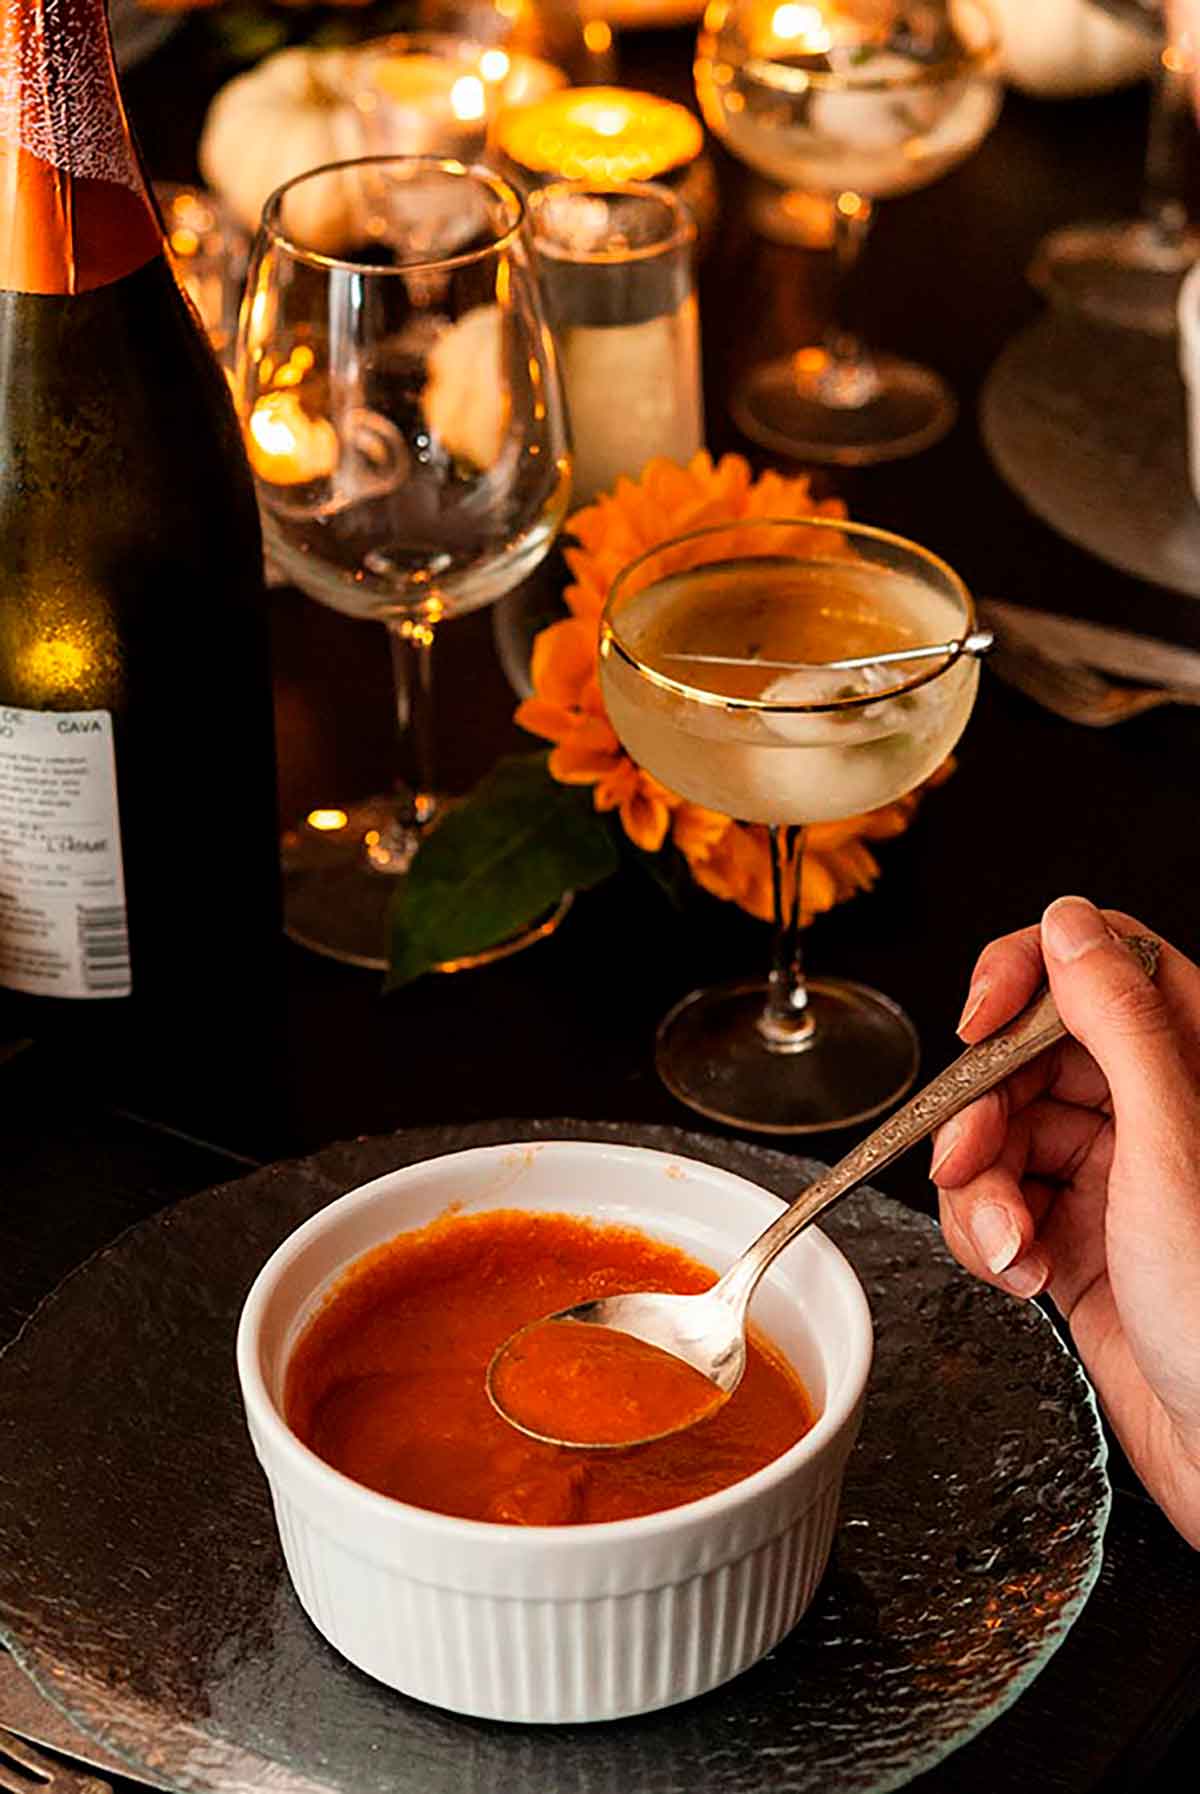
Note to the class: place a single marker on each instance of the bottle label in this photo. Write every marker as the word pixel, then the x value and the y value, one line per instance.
pixel 63 929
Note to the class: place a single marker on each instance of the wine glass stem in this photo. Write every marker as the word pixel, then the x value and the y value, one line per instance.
pixel 786 1025
pixel 412 668
pixel 850 378
pixel 1164 185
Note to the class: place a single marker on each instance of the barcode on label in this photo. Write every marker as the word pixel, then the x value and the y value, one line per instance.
pixel 104 947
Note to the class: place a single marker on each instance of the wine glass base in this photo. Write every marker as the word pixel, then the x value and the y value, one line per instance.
pixel 862 1057
pixel 786 405
pixel 336 903
pixel 1124 274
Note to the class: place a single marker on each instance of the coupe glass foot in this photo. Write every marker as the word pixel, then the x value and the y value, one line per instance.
pixel 862 1057
pixel 795 407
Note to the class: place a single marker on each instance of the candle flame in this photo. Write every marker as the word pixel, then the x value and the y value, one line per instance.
pixel 806 24
pixel 468 99
pixel 286 446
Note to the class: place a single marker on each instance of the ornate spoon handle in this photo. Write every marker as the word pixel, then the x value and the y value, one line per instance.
pixel 974 1072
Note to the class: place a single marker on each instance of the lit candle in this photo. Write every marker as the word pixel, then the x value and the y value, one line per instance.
pixel 633 394
pixel 286 446
pixel 440 100
pixel 514 79
pixel 599 134
pixel 421 104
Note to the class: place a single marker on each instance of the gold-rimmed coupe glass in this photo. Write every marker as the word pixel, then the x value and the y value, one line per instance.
pixel 857 102
pixel 404 419
pixel 714 667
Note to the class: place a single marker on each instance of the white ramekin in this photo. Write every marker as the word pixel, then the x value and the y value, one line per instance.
pixel 562 1623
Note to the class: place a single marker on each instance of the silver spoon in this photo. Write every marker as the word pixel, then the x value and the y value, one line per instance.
pixel 708 1331
pixel 978 643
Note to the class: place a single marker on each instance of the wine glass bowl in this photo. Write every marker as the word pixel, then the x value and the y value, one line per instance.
pixel 685 638
pixel 852 104
pixel 404 421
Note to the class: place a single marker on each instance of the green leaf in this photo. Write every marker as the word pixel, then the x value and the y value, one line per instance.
pixel 667 871
pixel 502 857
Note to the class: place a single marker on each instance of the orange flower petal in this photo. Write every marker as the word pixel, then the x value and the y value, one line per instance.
pixel 563 660
pixel 551 721
pixel 615 787
pixel 646 818
pixel 574 764
pixel 696 831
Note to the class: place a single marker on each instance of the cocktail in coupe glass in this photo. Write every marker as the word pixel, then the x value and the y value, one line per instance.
pixel 715 657
pixel 857 102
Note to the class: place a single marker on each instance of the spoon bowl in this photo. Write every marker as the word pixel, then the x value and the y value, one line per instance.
pixel 707 1332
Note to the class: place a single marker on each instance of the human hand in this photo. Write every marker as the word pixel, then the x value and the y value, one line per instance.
pixel 1080 1176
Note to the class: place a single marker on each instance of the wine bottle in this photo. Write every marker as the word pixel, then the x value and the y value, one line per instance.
pixel 138 828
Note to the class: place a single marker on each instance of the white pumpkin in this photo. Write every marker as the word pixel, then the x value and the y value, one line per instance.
pixel 1060 49
pixel 291 113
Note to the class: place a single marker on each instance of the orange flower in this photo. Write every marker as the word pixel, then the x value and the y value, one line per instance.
pixel 730 859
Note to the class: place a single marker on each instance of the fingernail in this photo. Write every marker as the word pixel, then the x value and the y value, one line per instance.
pixel 997 1237
pixel 1028 1278
pixel 947 1140
pixel 975 997
pixel 1072 927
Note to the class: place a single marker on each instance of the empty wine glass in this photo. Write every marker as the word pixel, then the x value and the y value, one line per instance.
pixel 1128 272
pixel 857 101
pixel 736 666
pixel 404 420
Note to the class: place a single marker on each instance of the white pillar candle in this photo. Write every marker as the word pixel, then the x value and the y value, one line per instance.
pixel 616 265
pixel 633 393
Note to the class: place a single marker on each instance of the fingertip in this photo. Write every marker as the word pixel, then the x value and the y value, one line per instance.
pixel 1028 1276
pixel 967 1143
pixel 1006 975
pixel 989 1228
pixel 1072 927
pixel 977 996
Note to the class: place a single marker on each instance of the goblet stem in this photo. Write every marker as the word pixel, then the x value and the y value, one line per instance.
pixel 786 1026
pixel 415 800
pixel 1164 183
pixel 850 377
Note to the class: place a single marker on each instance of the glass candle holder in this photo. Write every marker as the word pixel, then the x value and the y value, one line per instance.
pixel 617 280
pixel 609 135
pixel 208 253
pixel 560 32
pixel 425 93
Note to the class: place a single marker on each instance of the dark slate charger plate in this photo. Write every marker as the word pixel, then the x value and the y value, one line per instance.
pixel 142 1587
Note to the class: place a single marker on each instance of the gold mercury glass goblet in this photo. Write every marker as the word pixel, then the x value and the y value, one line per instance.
pixel 715 667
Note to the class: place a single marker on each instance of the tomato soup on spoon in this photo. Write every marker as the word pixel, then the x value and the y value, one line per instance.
pixel 388 1381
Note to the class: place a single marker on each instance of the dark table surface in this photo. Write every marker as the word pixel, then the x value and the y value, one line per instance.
pixel 1037 807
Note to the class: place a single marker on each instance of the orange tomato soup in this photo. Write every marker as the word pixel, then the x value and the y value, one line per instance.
pixel 387 1382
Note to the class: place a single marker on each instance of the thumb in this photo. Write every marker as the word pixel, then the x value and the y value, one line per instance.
pixel 1108 1002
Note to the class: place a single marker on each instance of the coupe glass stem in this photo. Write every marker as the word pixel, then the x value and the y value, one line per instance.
pixel 412 668
pixel 849 378
pixel 786 1025
pixel 1164 184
